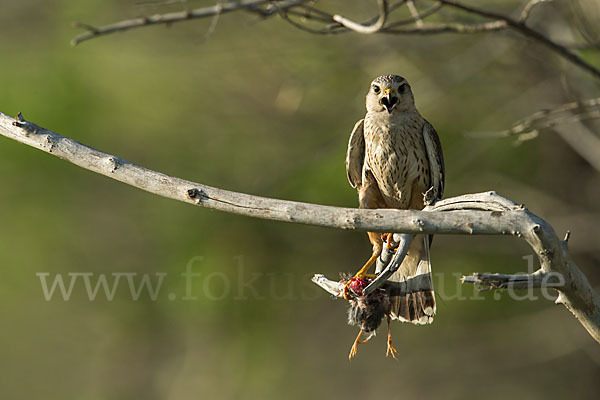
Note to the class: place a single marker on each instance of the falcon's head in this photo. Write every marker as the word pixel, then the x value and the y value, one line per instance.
pixel 388 93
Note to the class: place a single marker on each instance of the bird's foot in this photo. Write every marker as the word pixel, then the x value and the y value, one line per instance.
pixel 388 238
pixel 390 241
pixel 353 351
pixel 429 196
pixel 354 348
pixel 361 274
pixel 390 348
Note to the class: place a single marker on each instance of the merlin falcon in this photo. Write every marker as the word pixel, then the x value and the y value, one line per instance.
pixel 395 160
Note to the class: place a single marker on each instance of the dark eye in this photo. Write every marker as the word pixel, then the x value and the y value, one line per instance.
pixel 402 88
pixel 376 89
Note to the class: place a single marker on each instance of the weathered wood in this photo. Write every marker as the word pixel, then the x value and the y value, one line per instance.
pixel 538 279
pixel 482 213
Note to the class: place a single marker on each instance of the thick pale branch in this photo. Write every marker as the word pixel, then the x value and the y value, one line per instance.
pixel 483 213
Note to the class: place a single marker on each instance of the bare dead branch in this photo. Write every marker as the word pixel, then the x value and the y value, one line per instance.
pixel 414 13
pixel 566 120
pixel 335 23
pixel 420 16
pixel 270 8
pixel 429 29
pixel 332 287
pixel 583 141
pixel 482 214
pixel 213 22
pixel 374 28
pixel 529 7
pixel 521 27
pixel 528 128
pixel 538 279
pixel 565 113
pixel 483 281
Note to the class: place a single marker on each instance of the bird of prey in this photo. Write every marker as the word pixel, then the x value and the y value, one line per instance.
pixel 394 160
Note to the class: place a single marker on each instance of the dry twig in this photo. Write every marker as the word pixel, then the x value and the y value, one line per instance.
pixel 581 139
pixel 374 28
pixel 335 23
pixel 564 114
pixel 268 8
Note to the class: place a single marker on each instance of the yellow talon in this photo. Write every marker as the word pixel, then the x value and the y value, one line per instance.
pixel 389 240
pixel 390 348
pixel 354 348
pixel 362 273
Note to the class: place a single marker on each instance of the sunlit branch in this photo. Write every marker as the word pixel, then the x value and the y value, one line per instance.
pixel 566 121
pixel 563 114
pixel 333 23
pixel 366 29
pixel 481 213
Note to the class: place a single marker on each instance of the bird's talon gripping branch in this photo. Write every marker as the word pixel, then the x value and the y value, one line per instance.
pixel 389 240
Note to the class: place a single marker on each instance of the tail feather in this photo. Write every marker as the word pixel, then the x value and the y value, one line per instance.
pixel 412 296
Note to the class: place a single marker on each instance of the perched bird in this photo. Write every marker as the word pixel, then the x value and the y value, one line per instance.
pixel 395 160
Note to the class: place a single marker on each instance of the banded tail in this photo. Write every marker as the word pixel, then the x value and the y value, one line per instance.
pixel 411 287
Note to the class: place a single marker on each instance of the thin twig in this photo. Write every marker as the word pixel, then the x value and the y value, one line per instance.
pixel 339 24
pixel 434 8
pixel 563 114
pixel 285 15
pixel 414 13
pixel 180 16
pixel 528 7
pixel 521 27
pixel 155 3
pixel 583 141
pixel 213 22
pixel 369 29
pixel 428 29
pixel 332 26
pixel 538 279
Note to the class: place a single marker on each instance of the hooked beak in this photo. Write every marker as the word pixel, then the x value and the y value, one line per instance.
pixel 389 101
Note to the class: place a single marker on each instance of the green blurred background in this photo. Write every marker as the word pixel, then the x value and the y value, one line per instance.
pixel 263 108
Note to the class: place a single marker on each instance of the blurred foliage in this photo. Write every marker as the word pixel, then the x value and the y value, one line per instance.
pixel 263 108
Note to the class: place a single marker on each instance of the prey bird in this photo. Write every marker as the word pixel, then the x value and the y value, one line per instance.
pixel 394 160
